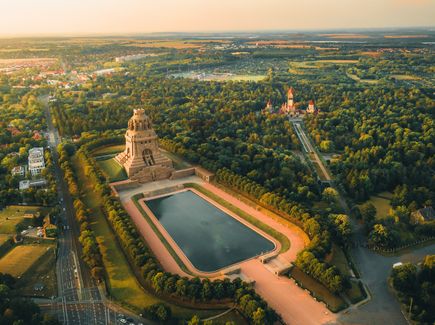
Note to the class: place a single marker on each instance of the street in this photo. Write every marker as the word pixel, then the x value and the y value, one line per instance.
pixel 80 300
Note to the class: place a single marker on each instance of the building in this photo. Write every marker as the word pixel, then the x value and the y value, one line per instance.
pixel 19 171
pixel 36 161
pixel 290 106
pixel 26 184
pixel 423 215
pixel 312 109
pixel 142 158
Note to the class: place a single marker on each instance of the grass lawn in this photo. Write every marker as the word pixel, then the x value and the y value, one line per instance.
pixel 43 272
pixel 284 241
pixel 112 170
pixel 333 302
pixel 405 77
pixel 355 293
pixel 3 239
pixel 338 258
pixel 356 78
pixel 178 162
pixel 12 217
pixel 5 244
pixel 108 150
pixel 122 281
pixel 17 261
pixel 382 204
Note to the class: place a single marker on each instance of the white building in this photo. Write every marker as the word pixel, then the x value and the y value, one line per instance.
pixel 36 161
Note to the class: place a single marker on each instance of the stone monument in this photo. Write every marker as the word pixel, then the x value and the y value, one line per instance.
pixel 142 158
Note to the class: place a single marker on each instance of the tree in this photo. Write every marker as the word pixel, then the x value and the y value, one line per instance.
pixel 259 316
pixel 368 213
pixel 194 320
pixel 330 195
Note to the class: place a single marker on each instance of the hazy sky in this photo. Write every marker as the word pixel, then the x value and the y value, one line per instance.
pixel 143 16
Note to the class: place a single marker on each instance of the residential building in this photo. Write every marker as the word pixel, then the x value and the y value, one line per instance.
pixel 19 171
pixel 36 161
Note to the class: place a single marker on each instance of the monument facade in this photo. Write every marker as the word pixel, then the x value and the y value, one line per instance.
pixel 142 158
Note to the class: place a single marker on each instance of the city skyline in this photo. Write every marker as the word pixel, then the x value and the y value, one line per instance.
pixel 51 17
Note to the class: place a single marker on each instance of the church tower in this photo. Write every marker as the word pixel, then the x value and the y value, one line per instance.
pixel 290 102
pixel 141 158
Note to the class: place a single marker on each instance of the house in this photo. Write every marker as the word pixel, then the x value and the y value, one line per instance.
pixel 36 161
pixel 18 171
pixel 425 214
pixel 50 228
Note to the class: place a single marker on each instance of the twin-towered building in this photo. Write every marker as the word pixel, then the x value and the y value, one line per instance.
pixel 291 107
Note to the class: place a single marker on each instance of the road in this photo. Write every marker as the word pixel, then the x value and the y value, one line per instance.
pixel 309 149
pixel 80 299
pixel 74 281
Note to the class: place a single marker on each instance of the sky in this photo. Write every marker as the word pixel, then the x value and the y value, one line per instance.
pixel 73 17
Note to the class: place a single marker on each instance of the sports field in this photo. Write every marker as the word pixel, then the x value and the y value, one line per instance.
pixel 21 258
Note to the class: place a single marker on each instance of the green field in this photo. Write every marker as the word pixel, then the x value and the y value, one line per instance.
pixel 12 217
pixel 356 78
pixel 122 282
pixel 42 272
pixel 18 260
pixel 108 150
pixel 338 258
pixel 333 302
pixel 112 170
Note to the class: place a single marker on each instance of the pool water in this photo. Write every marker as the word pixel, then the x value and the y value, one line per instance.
pixel 210 238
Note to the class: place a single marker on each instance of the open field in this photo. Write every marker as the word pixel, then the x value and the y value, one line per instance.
pixel 41 273
pixel 17 261
pixel 12 217
pixel 112 170
pixel 382 204
pixel 405 77
pixel 27 63
pixel 333 302
pixel 356 78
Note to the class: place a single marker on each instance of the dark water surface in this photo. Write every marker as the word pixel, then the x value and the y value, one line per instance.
pixel 210 238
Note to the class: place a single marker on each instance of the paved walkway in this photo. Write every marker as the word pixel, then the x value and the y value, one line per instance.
pixel 295 305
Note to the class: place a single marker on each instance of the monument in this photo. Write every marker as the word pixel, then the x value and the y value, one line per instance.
pixel 142 158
